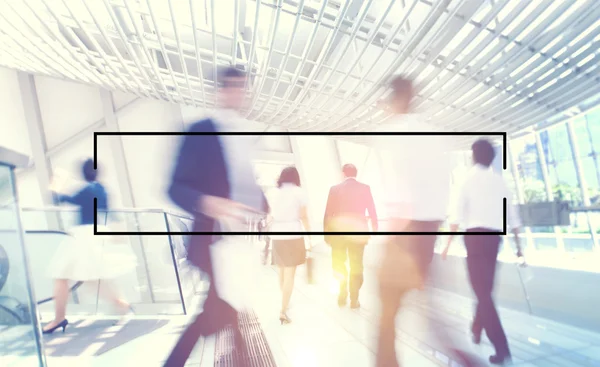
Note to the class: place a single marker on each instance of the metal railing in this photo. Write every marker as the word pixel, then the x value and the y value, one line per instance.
pixel 165 284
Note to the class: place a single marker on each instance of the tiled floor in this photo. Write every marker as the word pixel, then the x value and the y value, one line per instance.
pixel 322 334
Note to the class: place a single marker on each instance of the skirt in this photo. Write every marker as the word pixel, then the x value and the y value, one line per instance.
pixel 83 256
pixel 289 252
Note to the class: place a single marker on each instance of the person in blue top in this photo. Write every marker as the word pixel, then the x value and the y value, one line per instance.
pixel 81 257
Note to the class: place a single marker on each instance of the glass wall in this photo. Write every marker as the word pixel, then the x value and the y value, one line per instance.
pixel 544 167
pixel 561 154
pixel 587 137
pixel 20 338
pixel 528 168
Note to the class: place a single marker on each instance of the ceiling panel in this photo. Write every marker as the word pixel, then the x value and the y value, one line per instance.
pixel 479 65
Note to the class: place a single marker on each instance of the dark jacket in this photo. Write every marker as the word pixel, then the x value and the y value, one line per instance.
pixel 85 200
pixel 200 169
pixel 347 205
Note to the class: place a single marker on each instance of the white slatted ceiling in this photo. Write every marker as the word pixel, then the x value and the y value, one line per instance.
pixel 323 65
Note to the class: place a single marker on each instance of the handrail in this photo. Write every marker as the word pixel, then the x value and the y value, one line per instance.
pixel 67 209
pixel 585 209
pixel 40 231
pixel 114 210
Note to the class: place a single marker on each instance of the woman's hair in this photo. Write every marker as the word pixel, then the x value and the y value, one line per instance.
pixel 289 175
pixel 89 172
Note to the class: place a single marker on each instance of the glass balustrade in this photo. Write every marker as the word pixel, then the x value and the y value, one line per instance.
pixel 20 334
pixel 163 283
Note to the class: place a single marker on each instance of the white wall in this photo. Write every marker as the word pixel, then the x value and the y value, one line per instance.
pixel 13 129
pixel 67 108
pixel 150 159
pixel 320 169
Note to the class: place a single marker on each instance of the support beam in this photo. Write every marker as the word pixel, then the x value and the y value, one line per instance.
pixel 120 162
pixel 542 159
pixel 335 151
pixel 126 191
pixel 351 14
pixel 582 182
pixel 520 192
pixel 318 172
pixel 37 138
pixel 80 135
pixel 269 156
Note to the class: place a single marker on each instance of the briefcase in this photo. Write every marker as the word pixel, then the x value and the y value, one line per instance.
pixel 236 269
pixel 310 279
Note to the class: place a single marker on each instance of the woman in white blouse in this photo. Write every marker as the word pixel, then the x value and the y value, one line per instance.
pixel 288 214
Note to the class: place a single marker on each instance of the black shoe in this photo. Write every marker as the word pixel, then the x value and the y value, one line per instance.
pixel 465 359
pixel 63 324
pixel 500 359
pixel 354 304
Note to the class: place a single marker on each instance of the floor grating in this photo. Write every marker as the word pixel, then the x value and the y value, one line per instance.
pixel 259 354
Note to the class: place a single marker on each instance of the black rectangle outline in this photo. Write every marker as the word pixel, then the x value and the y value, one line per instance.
pixel 300 133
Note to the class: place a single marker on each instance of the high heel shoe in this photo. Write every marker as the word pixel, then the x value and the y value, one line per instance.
pixel 284 319
pixel 125 316
pixel 63 324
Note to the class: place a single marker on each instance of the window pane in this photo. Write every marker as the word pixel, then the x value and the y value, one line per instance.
pixel 529 170
pixel 593 120
pixel 583 137
pixel 592 178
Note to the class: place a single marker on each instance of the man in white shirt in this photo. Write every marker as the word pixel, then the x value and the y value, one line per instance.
pixel 480 208
pixel 417 179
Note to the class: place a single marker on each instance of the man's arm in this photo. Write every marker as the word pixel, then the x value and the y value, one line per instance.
pixel 371 210
pixel 184 189
pixel 265 203
pixel 457 217
pixel 77 199
pixel 329 209
pixel 514 221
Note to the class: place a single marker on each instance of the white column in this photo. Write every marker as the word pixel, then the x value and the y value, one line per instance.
pixel 542 158
pixel 116 144
pixel 582 182
pixel 319 169
pixel 520 193
pixel 120 163
pixel 37 137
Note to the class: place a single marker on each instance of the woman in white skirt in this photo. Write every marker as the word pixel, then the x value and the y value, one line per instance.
pixel 82 256
pixel 288 214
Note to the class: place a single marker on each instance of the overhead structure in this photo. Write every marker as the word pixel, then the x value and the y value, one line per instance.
pixel 318 65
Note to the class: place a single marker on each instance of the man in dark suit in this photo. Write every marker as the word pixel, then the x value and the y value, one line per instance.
pixel 346 209
pixel 213 179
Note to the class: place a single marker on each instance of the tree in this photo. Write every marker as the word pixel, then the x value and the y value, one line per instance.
pixel 534 190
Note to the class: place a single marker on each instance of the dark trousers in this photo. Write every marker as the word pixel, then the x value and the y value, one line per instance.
pixel 216 315
pixel 482 252
pixel 420 251
pixel 351 279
